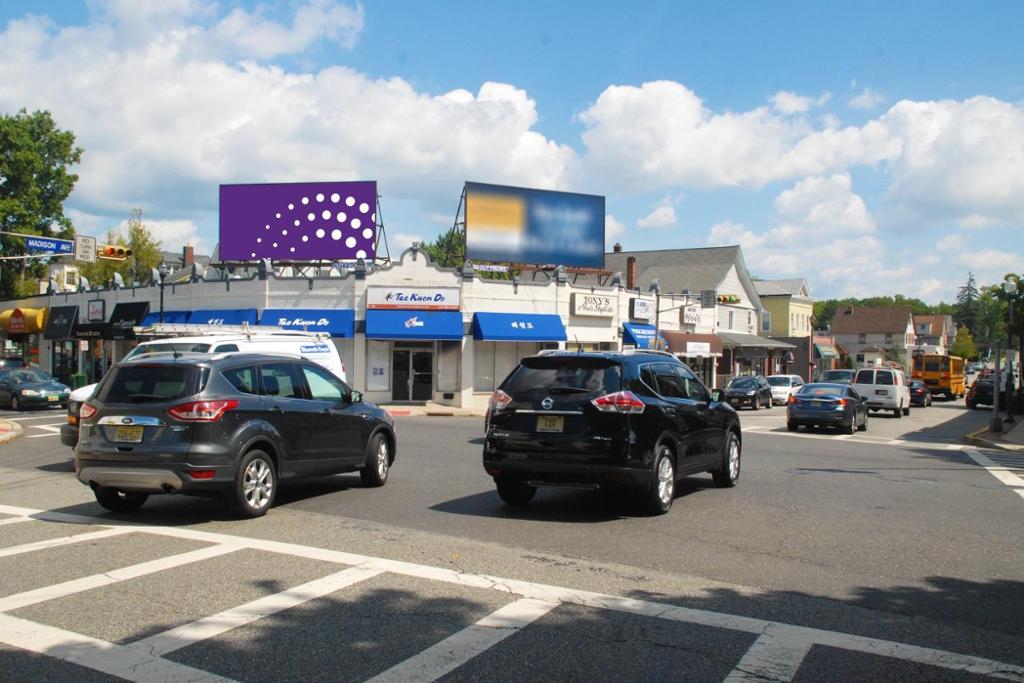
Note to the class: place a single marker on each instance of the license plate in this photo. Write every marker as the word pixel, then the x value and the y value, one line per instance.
pixel 128 434
pixel 550 423
pixel 881 392
pixel 816 404
pixel 53 399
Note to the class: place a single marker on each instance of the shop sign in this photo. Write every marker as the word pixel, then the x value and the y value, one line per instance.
pixel 698 349
pixel 419 298
pixel 16 324
pixel 641 309
pixel 708 298
pixel 283 321
pixel 595 305
pixel 752 354
pixel 689 315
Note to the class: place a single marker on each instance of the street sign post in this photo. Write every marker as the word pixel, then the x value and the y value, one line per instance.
pixel 49 244
pixel 85 248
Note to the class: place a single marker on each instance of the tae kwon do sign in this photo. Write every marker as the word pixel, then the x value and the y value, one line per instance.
pixel 420 298
pixel 595 305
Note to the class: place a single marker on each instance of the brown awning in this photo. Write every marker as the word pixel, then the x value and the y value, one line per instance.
pixel 703 345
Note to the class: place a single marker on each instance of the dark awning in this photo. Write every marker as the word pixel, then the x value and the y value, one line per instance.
pixel 738 340
pixel 826 351
pixel 60 323
pixel 692 345
pixel 125 317
pixel 89 330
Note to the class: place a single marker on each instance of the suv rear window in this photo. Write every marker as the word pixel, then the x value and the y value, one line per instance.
pixel 570 375
pixel 884 377
pixel 152 383
pixel 865 377
pixel 779 381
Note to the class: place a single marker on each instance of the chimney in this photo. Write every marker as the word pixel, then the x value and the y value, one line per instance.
pixel 187 255
pixel 617 248
pixel 631 272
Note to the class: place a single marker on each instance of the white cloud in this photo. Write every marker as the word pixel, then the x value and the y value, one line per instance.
pixel 613 230
pixel 824 205
pixel 401 241
pixel 866 99
pixel 786 102
pixel 172 234
pixel 253 34
pixel 661 217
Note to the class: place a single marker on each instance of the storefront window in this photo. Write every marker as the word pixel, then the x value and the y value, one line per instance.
pixel 483 366
pixel 448 361
pixel 493 361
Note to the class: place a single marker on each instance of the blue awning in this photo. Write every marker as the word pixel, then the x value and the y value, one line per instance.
pixel 537 327
pixel 169 317
pixel 339 323
pixel 413 324
pixel 224 316
pixel 638 334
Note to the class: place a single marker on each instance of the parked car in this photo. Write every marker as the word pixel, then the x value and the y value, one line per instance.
pixel 827 405
pixel 31 388
pixel 920 394
pixel 837 376
pixel 982 392
pixel 12 362
pixel 317 347
pixel 749 390
pixel 783 386
pixel 885 389
pixel 238 423
pixel 69 430
pixel 635 421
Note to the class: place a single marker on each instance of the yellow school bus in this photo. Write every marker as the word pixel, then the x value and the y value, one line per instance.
pixel 941 374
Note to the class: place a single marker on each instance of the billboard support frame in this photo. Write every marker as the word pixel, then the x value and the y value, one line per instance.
pixel 455 231
pixel 382 236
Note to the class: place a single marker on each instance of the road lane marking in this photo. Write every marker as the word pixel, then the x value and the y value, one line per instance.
pixel 558 594
pixel 63 540
pixel 110 658
pixel 775 656
pixel 1003 474
pixel 33 417
pixel 459 648
pixel 14 520
pixel 208 627
pixel 61 590
pixel 857 439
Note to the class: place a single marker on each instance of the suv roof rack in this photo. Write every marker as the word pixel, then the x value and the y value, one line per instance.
pixel 635 351
pixel 194 330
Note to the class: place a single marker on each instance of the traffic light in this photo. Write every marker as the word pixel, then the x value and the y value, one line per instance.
pixel 113 252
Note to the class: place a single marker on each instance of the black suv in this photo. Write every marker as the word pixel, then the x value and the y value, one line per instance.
pixel 591 420
pixel 196 424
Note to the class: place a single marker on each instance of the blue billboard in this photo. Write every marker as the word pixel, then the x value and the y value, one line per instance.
pixel 520 225
pixel 49 244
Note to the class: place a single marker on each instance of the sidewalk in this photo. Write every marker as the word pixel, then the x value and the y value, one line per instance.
pixel 1011 439
pixel 9 431
pixel 430 409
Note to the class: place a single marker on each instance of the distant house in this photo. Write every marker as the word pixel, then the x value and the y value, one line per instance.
pixel 863 330
pixel 179 263
pixel 934 333
pixel 788 305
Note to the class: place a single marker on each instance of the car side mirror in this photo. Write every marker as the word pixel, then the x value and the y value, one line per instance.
pixel 716 395
pixel 355 397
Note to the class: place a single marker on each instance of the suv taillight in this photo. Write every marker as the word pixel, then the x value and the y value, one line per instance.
pixel 624 402
pixel 86 411
pixel 202 411
pixel 499 400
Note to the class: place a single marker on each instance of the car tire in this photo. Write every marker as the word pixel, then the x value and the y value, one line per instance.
pixel 792 426
pixel 897 412
pixel 662 490
pixel 770 403
pixel 515 492
pixel 15 402
pixel 757 404
pixel 864 425
pixel 255 484
pixel 852 427
pixel 972 405
pixel 116 500
pixel 728 475
pixel 906 411
pixel 378 462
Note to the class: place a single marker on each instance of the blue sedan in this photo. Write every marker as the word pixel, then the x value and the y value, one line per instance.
pixel 827 405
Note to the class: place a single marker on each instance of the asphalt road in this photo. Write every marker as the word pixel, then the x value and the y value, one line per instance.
pixel 867 557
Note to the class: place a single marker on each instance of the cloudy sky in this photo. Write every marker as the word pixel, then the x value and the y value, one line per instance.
pixel 871 147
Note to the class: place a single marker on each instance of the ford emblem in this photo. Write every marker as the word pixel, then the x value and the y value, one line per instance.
pixel 547 403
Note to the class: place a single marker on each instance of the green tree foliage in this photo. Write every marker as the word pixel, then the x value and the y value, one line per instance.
pixel 963 344
pixel 448 250
pixel 35 157
pixel 145 254
pixel 967 304
pixel 990 323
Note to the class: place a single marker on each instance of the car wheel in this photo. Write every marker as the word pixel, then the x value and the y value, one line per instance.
pixel 864 425
pixel 662 490
pixel 515 492
pixel 792 426
pixel 729 473
pixel 15 402
pixel 378 462
pixel 906 411
pixel 972 405
pixel 119 501
pixel 770 403
pixel 897 412
pixel 757 404
pixel 255 484
pixel 852 427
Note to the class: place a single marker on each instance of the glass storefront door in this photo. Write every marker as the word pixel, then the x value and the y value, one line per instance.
pixel 412 374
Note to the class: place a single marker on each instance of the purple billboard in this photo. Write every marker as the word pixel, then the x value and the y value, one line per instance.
pixel 298 221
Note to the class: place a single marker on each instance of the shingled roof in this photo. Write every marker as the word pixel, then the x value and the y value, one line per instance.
pixel 791 287
pixel 681 269
pixel 869 320
pixel 936 324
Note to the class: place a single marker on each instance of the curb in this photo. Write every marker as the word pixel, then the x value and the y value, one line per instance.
pixel 978 439
pixel 401 412
pixel 9 431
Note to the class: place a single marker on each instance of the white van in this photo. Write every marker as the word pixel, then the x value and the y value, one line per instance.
pixel 783 386
pixel 884 388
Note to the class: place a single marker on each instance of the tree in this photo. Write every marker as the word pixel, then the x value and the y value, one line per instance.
pixel 967 304
pixel 990 323
pixel 963 344
pixel 145 253
pixel 35 157
pixel 448 250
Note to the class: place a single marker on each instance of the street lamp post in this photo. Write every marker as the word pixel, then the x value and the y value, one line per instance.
pixel 163 274
pixel 1010 289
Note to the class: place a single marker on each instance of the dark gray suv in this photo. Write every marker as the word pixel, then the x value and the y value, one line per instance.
pixel 234 424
